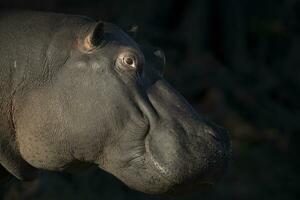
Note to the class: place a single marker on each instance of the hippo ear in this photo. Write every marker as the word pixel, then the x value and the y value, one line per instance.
pixel 94 38
pixel 161 55
pixel 133 31
pixel 11 159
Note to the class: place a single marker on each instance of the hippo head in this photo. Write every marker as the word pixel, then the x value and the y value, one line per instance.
pixel 109 105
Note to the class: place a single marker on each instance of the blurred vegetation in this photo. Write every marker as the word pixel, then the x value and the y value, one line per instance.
pixel 236 61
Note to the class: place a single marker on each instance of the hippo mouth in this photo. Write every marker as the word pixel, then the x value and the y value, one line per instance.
pixel 173 186
pixel 144 172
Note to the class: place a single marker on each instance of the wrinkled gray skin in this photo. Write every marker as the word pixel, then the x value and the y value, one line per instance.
pixel 75 92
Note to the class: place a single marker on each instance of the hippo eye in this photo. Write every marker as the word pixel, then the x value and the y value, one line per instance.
pixel 129 61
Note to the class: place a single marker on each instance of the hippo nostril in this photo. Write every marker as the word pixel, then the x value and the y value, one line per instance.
pixel 213 133
pixel 218 133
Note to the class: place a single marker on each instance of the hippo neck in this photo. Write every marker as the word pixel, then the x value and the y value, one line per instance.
pixel 33 47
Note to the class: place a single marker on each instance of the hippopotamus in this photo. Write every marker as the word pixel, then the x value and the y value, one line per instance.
pixel 76 93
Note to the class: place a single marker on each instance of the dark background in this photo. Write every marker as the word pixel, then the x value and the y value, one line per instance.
pixel 237 62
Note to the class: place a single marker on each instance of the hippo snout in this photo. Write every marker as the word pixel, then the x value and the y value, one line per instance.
pixel 187 158
pixel 182 148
